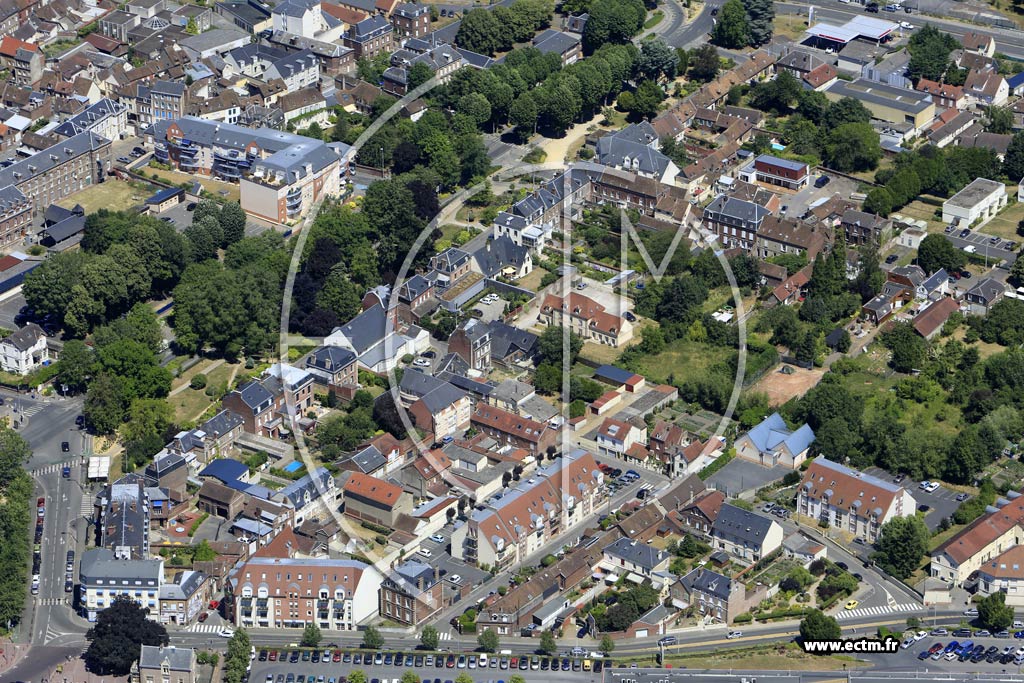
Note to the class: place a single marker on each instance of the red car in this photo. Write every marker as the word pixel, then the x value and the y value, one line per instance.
pixel 272 656
pixel 337 656
pixel 203 616
pixel 214 604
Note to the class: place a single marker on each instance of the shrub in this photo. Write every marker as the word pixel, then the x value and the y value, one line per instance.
pixel 198 381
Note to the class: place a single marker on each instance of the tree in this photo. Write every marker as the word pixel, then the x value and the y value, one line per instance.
pixel 999 120
pixel 550 345
pixel 704 63
pixel 819 626
pixel 204 237
pixel 523 114
pixel 357 676
pixel 760 18
pixel 115 640
pixel 1013 162
pixel 846 110
pixel 105 404
pixel 76 361
pixel 907 347
pixel 236 659
pixel 993 612
pixel 464 678
pixel 612 21
pixel 731 31
pixel 372 639
pixel 646 100
pixel 853 147
pixel 488 640
pixel 311 636
pixel 232 223
pixel 476 107
pixel 203 552
pixel 936 251
pixel 902 542
pixel 548 646
pixel 657 59
pixel 480 32
pixel 429 637
pixel 607 644
pixel 929 53
pixel 419 73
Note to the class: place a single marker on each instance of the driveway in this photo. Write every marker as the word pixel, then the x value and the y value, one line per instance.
pixel 984 246
pixel 742 475
pixel 797 204
pixel 941 502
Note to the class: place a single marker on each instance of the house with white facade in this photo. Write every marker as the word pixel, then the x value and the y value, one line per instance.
pixel 23 351
pixel 616 437
pixel 981 200
pixel 772 443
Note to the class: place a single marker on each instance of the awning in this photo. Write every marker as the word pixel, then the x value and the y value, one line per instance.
pixel 634 577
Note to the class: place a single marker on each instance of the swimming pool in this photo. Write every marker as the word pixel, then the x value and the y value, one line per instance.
pixel 293 466
pixel 777 147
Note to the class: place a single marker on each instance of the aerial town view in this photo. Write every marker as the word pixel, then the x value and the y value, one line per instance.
pixel 511 341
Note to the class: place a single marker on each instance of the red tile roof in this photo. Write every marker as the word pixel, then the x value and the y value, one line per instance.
pixel 9 46
pixel 372 488
pixel 935 316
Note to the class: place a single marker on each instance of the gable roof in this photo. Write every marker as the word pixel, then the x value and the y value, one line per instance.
pixel 373 489
pixel 772 434
pixel 741 524
pixel 637 553
pixel 848 489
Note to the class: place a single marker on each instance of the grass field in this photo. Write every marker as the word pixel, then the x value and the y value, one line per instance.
pixel 532 281
pixel 655 19
pixel 922 211
pixel 765 658
pixel 189 403
pixel 116 195
pixel 1005 224
pixel 682 358
pixel 793 27
pixel 221 189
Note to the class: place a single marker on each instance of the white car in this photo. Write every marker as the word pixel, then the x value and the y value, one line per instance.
pixel 906 25
pixel 920 635
pixel 455 578
pixel 225 633
pixel 932 487
pixel 421 363
pixel 438 538
pixel 424 552
pixel 733 635
pixel 924 484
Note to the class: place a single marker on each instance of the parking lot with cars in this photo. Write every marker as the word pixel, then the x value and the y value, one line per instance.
pixel 980 244
pixel 960 650
pixel 334 665
pixel 933 499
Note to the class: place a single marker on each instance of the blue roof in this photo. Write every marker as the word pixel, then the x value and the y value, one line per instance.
pixel 165 194
pixel 784 163
pixel 772 434
pixel 613 374
pixel 226 470
pixel 1015 81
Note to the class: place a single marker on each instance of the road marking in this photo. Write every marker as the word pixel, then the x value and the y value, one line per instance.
pixel 874 611
pixel 87 507
pixel 203 628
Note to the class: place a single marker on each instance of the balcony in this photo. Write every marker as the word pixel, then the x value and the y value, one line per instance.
pixel 228 173
pixel 293 202
pixel 188 162
pixel 226 154
pixel 161 155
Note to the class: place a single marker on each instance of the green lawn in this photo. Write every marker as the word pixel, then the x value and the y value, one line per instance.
pixel 1005 224
pixel 681 358
pixel 655 19
pixel 113 194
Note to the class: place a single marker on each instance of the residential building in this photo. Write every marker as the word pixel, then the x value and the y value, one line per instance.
pixel 281 174
pixel 981 43
pixel 374 500
pixel 1004 573
pixel 281 591
pixel 370 37
pixel 616 438
pixel 891 70
pixel 886 102
pixel 585 317
pixel 123 525
pixel 49 176
pixel 411 593
pixel 471 340
pixel 15 215
pixel 444 412
pixel 981 200
pixel 510 526
pixel 308 105
pixel 502 258
pixel 411 20
pixel 165 664
pixel 944 96
pixel 985 293
pixel 23 351
pixel 117 24
pixel 248 15
pixel 699 514
pixel 102 577
pixel 628 555
pixel 568 46
pixel 778 236
pixel 635 149
pixel 734 221
pixel 986 88
pixel 861 227
pixel 23 61
pixel 747 536
pixel 998 529
pixel 167 100
pixel 845 499
pixel 928 323
pixel 511 346
pixel 298 70
pixel 184 598
pixel 773 444
pixel 770 170
pixel 334 367
pixel 716 597
pixel 513 430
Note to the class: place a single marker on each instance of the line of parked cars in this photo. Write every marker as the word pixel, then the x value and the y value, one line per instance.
pixel 470 660
pixel 975 653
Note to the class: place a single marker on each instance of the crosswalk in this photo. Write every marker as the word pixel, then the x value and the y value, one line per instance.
pixel 203 628
pixel 87 508
pixel 443 635
pixel 31 410
pixel 875 611
pixel 51 602
pixel 647 487
pixel 50 469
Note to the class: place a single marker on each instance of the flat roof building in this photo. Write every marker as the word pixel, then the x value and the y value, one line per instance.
pixel 886 102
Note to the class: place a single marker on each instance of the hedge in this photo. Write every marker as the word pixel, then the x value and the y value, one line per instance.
pixel 718 464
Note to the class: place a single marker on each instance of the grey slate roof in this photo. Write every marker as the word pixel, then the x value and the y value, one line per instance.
pixel 82 121
pixel 708 582
pixel 442 397
pixel 221 423
pixel 177 658
pixel 506 340
pixel 369 460
pixel 100 564
pixel 184 586
pixel 738 523
pixel 369 28
pixel 330 358
pixel 366 329
pixel 636 553
pixel 557 42
pixel 499 253
pixel 308 488
pixel 418 383
pixel 738 209
pixel 986 290
pixel 254 394
pixel 294 63
pixel 26 337
pixel 44 161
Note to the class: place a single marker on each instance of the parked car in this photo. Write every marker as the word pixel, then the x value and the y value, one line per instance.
pixel 891 259
pixel 961 497
pixel 733 635
pixel 965 232
pixel 822 181
pixel 871 7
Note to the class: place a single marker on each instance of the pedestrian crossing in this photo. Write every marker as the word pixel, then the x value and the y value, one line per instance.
pixel 87 508
pixel 875 611
pixel 51 602
pixel 647 487
pixel 443 635
pixel 203 628
pixel 31 410
pixel 49 469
